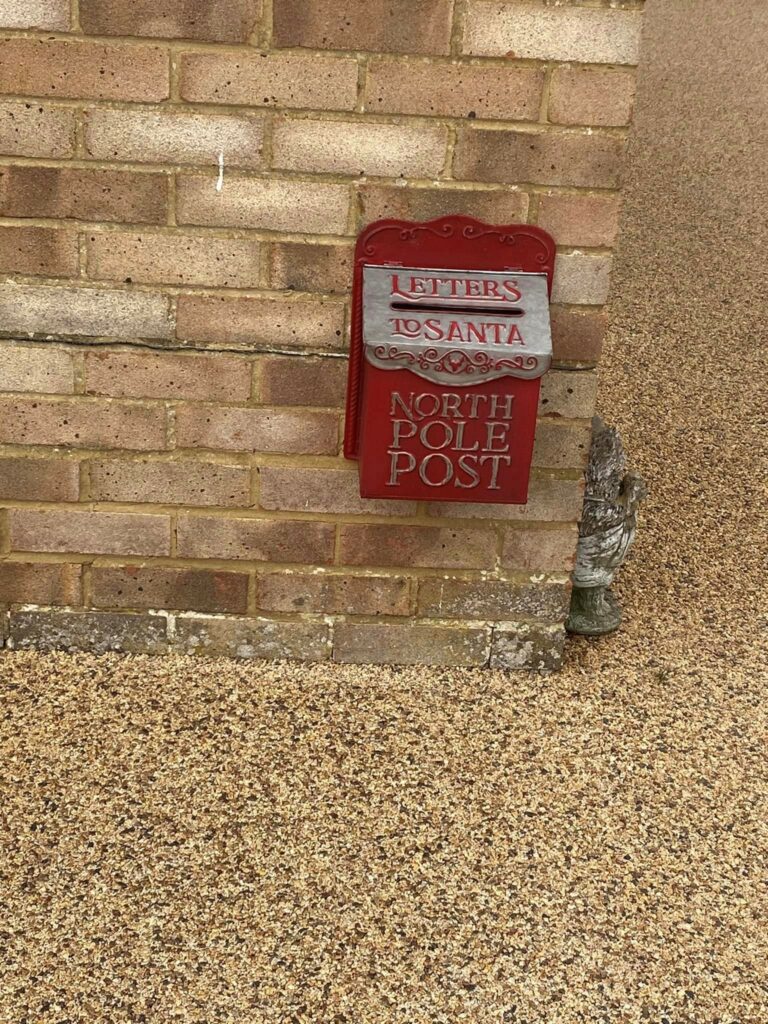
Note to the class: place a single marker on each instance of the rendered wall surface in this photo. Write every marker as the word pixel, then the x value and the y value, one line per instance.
pixel 181 183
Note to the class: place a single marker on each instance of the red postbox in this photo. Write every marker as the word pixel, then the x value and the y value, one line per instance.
pixel 450 339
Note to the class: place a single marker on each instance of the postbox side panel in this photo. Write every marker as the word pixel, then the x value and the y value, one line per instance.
pixel 455 242
pixel 426 442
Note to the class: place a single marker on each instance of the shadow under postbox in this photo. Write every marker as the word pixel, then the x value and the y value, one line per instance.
pixel 450 338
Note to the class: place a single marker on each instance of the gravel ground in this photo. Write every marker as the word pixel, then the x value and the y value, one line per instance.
pixel 207 841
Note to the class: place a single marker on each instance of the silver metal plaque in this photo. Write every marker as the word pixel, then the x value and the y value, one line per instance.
pixel 454 326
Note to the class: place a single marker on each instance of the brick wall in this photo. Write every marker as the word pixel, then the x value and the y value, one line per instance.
pixel 181 182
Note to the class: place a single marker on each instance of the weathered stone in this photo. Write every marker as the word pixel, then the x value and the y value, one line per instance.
pixel 527 646
pixel 252 638
pixel 606 533
pixel 98 632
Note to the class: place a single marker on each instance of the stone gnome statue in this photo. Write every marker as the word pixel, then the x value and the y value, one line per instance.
pixel 606 533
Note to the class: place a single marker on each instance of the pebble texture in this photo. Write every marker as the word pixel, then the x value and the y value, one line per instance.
pixel 209 841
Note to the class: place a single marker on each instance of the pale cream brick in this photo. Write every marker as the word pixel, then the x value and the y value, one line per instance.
pixel 36 129
pixel 592 96
pixel 49 311
pixel 53 15
pixel 560 445
pixel 290 431
pixel 454 90
pixel 77 423
pixel 149 136
pixel 267 204
pixel 177 259
pixel 34 368
pixel 569 394
pixel 253 323
pixel 270 80
pixel 582 280
pixel 594 36
pixel 360 147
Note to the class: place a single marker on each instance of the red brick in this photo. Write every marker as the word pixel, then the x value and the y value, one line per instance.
pixel 359 147
pixel 312 268
pixel 392 644
pixel 38 251
pixel 296 380
pixel 39 583
pixel 270 205
pixel 199 590
pixel 124 374
pixel 150 136
pixel 98 632
pixel 97 533
pixel 595 96
pixel 36 129
pixel 492 599
pixel 177 259
pixel 327 594
pixel 580 220
pixel 171 483
pixel 36 368
pixel 577 335
pixel 39 479
pixel 549 500
pixel 497 206
pixel 293 489
pixel 454 90
pixel 256 540
pixel 221 21
pixel 253 323
pixel 67 69
pixel 384 26
pixel 253 638
pixel 561 445
pixel 53 15
pixel 538 551
pixel 90 312
pixel 81 424
pixel 568 393
pixel 543 158
pixel 270 80
pixel 64 192
pixel 436 547
pixel 263 430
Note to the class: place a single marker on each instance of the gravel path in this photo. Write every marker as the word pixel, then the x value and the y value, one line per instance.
pixel 206 841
